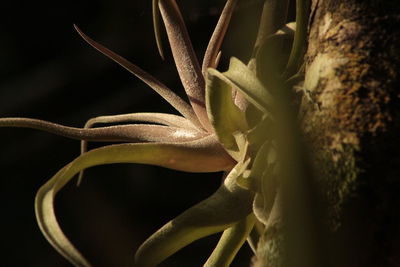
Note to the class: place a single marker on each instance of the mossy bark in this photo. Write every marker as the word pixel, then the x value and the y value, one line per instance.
pixel 352 124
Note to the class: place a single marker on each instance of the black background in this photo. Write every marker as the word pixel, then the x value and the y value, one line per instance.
pixel 48 72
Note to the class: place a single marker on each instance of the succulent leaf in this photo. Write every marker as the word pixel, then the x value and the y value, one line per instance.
pixel 116 133
pixel 272 57
pixel 202 155
pixel 224 128
pixel 185 59
pixel 175 101
pixel 223 114
pixel 230 242
pixel 212 54
pixel 226 207
pixel 241 78
pixel 159 118
pixel 156 26
pixel 251 179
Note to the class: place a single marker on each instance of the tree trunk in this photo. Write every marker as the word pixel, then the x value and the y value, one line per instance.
pixel 352 123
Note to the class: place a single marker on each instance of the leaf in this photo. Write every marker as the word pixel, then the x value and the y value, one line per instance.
pixel 262 131
pixel 156 26
pixel 267 186
pixel 211 55
pixel 227 206
pixel 185 59
pixel 152 117
pixel 241 78
pixel 224 115
pixel 252 180
pixel 175 101
pixel 273 17
pixel 272 57
pixel 161 118
pixel 300 38
pixel 117 133
pixel 202 155
pixel 230 242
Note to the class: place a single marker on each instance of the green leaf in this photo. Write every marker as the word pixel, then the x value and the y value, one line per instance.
pixel 272 58
pixel 300 38
pixel 252 180
pixel 267 186
pixel 241 78
pixel 202 155
pixel 226 207
pixel 261 132
pixel 224 115
pixel 230 242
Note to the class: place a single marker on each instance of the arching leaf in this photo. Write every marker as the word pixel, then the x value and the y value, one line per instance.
pixel 202 155
pixel 241 78
pixel 224 115
pixel 230 242
pixel 226 207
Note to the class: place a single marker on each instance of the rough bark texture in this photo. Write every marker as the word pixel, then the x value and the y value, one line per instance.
pixel 353 69
pixel 353 74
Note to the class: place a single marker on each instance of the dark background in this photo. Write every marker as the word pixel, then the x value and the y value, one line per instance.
pixel 48 72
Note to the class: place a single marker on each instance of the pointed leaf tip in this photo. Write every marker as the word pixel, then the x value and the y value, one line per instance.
pixel 157 29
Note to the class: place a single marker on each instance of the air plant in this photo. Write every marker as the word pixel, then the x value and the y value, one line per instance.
pixel 226 127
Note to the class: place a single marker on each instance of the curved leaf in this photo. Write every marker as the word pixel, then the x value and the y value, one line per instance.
pixel 224 115
pixel 153 117
pixel 156 26
pixel 211 55
pixel 161 118
pixel 227 206
pixel 272 57
pixel 230 242
pixel 118 133
pixel 300 38
pixel 202 155
pixel 252 179
pixel 273 17
pixel 175 101
pixel 241 78
pixel 185 59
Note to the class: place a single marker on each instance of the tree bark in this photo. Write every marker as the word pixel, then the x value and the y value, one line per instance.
pixel 352 125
